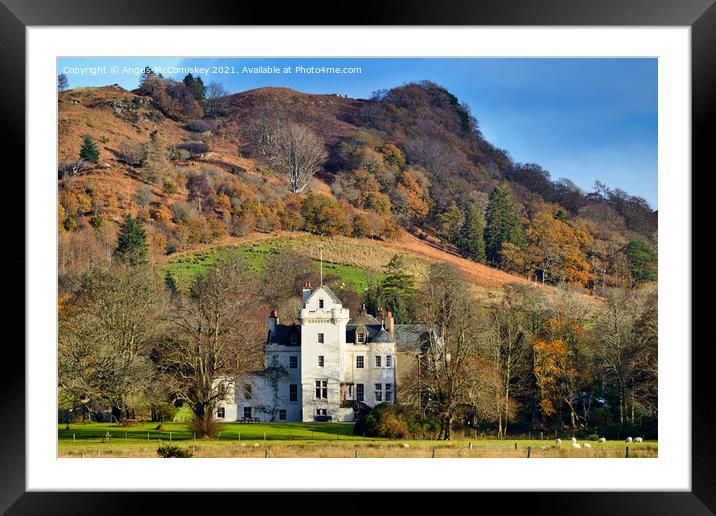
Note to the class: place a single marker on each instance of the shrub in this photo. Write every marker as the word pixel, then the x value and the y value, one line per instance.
pixel 201 126
pixel 169 451
pixel 194 147
pixel 324 215
pixel 395 422
pixel 131 153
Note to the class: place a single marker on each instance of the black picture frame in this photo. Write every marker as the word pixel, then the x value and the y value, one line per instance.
pixel 700 15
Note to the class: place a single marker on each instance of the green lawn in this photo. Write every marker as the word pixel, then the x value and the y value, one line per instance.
pixel 185 267
pixel 97 432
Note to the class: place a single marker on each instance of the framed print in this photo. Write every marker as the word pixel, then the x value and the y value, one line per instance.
pixel 451 252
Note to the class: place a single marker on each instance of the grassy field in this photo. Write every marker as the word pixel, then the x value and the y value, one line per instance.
pixel 355 270
pixel 321 440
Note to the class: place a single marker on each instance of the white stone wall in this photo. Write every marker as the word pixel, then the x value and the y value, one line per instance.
pixel 331 321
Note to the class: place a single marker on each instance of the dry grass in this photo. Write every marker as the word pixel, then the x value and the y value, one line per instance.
pixel 388 449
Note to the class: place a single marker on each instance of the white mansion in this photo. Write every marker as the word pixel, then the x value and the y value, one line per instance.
pixel 325 368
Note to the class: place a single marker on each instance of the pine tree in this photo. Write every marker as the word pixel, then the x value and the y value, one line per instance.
pixel 449 223
pixel 62 82
pixel 196 86
pixel 89 151
pixel 502 223
pixel 472 233
pixel 131 242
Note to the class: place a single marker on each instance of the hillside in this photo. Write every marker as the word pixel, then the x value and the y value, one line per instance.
pixel 401 168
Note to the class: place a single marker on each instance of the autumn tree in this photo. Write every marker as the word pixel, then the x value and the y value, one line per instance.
pixel 553 249
pixel 450 222
pixel 215 338
pixel 155 163
pixel 562 361
pixel 456 348
pixel 323 215
pixel 195 85
pixel 106 335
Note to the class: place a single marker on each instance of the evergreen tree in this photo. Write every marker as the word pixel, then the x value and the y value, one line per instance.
pixel 395 293
pixel 62 82
pixel 196 86
pixel 449 224
pixel 131 242
pixel 502 223
pixel 642 260
pixel 89 151
pixel 472 233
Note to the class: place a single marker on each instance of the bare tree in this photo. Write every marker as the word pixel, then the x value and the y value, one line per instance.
pixel 215 101
pixel 432 155
pixel 456 348
pixel 215 338
pixel 290 149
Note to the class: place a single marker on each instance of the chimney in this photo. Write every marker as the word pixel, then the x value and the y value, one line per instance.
pixel 307 291
pixel 272 323
pixel 389 323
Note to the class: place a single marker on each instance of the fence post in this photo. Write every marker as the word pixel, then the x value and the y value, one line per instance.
pixel 470 445
pixel 356 454
pixel 529 451
pixel 266 453
pixel 170 437
pixel 73 438
pixel 626 455
pixel 541 436
pixel 195 436
pixel 515 446
pixel 433 453
pixel 147 436
pixel 264 436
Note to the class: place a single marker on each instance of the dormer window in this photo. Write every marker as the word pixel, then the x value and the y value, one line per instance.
pixel 294 338
pixel 360 337
pixel 320 303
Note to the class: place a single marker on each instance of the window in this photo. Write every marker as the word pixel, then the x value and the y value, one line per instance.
pixel 321 339
pixel 247 412
pixel 388 392
pixel 360 337
pixel 282 414
pixel 378 392
pixel 293 362
pixel 360 392
pixel 294 338
pixel 322 389
pixel 321 412
pixel 221 413
pixel 247 391
pixel 377 361
pixel 388 360
pixel 321 361
pixel 320 303
pixel 359 362
pixel 293 392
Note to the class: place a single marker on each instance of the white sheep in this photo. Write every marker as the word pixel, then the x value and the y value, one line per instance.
pixel 638 439
pixel 629 439
pixel 576 445
pixel 574 440
pixel 602 440
pixel 406 445
pixel 558 441
pixel 587 445
pixel 256 445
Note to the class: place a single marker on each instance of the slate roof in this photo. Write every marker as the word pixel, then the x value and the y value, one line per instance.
pixel 328 291
pixel 283 333
pixel 411 337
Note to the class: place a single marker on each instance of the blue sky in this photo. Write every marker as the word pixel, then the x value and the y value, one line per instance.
pixel 584 119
